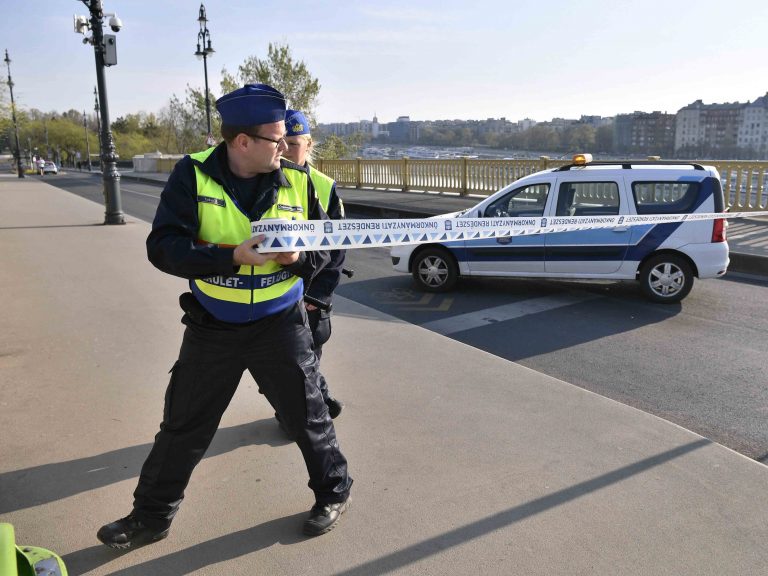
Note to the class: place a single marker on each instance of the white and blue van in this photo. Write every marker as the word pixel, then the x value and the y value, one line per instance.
pixel 664 258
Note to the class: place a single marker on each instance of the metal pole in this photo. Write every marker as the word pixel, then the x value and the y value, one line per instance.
pixel 87 143
pixel 203 51
pixel 13 115
pixel 97 109
pixel 207 98
pixel 111 177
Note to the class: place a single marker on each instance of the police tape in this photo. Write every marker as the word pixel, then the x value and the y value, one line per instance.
pixel 282 235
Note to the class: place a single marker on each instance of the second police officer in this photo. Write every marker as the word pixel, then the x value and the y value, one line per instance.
pixel 319 293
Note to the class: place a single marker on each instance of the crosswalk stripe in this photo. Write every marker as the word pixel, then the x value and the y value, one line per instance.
pixel 488 316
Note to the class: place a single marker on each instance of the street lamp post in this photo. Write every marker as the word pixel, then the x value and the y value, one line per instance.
pixel 13 115
pixel 87 143
pixel 98 122
pixel 203 51
pixel 104 48
pixel 97 109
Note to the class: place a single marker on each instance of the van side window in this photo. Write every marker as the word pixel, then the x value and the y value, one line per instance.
pixel 527 201
pixel 664 197
pixel 588 199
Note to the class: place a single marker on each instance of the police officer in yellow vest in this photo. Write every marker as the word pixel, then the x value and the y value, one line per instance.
pixel 244 311
pixel 321 288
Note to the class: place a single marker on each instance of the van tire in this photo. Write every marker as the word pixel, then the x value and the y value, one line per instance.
pixel 666 278
pixel 434 270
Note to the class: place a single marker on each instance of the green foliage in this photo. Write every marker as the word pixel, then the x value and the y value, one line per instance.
pixel 280 71
pixel 65 134
pixel 130 144
pixel 604 139
pixel 333 147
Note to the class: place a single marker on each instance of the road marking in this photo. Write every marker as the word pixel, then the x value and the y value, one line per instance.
pixel 426 299
pixel 140 193
pixel 444 307
pixel 488 316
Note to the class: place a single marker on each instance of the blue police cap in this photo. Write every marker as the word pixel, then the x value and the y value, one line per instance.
pixel 296 123
pixel 252 104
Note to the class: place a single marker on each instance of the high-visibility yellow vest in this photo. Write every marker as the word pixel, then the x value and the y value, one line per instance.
pixel 254 291
pixel 323 185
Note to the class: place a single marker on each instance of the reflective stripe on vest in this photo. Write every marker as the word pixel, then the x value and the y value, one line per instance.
pixel 255 291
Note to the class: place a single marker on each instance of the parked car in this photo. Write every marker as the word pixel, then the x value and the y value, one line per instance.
pixel 663 258
pixel 50 168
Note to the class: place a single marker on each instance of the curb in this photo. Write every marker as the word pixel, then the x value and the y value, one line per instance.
pixel 748 264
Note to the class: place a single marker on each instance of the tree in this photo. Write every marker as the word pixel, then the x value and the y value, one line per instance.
pixel 280 71
pixel 604 138
pixel 579 137
pixel 333 147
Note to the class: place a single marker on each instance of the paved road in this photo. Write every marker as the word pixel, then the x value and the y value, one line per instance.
pixel 700 364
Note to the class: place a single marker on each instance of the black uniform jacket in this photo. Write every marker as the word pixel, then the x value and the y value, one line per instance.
pixel 171 244
pixel 325 282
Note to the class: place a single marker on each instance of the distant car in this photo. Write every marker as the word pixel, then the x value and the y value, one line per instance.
pixel 50 168
pixel 663 258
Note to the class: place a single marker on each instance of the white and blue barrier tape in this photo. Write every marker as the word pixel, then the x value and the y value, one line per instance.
pixel 302 235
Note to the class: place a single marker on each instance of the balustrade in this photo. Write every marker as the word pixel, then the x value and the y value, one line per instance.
pixel 744 182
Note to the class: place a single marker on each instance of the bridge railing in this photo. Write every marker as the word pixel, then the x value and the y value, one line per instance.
pixel 745 183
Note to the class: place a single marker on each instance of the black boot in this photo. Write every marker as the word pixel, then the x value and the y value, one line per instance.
pixel 130 532
pixel 324 517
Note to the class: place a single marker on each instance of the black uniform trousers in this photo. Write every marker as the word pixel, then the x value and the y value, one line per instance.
pixel 277 351
pixel 320 326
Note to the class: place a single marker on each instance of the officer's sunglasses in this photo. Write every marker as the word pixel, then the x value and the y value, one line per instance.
pixel 279 142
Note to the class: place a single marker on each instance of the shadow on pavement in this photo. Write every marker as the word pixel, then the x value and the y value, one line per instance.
pixel 283 531
pixel 287 531
pixel 29 487
pixel 459 536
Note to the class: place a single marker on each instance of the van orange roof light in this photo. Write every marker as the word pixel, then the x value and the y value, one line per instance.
pixel 582 158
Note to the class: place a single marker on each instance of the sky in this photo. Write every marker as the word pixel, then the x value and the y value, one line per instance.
pixel 426 59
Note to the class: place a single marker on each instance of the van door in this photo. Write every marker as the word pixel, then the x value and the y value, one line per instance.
pixel 599 251
pixel 511 255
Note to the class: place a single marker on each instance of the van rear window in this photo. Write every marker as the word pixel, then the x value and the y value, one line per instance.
pixel 664 197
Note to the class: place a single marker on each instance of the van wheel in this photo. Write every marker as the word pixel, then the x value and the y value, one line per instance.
pixel 435 270
pixel 666 278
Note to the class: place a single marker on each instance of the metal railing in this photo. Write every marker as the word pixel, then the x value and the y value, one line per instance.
pixel 745 183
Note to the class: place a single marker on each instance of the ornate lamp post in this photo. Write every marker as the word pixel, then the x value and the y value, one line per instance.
pixel 203 51
pixel 98 122
pixel 13 115
pixel 97 109
pixel 105 49
pixel 87 142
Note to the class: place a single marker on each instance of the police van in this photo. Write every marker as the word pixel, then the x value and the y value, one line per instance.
pixel 663 258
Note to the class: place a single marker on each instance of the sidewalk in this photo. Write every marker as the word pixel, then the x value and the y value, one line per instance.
pixel 747 237
pixel 464 463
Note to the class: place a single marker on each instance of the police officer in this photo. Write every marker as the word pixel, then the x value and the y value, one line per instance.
pixel 299 141
pixel 244 311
